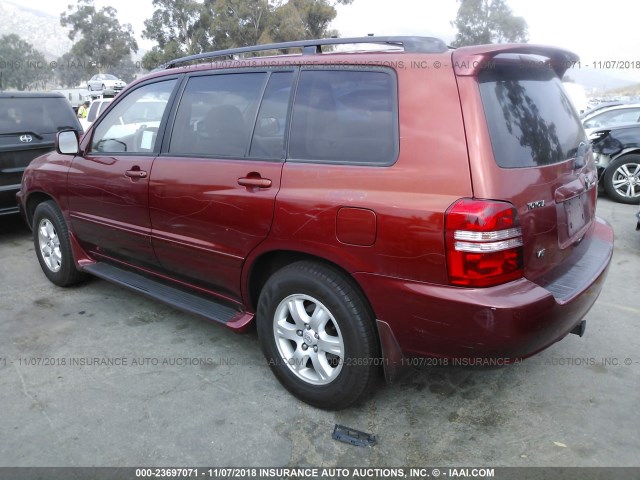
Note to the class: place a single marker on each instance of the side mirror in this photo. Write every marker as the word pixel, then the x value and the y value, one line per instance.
pixel 67 142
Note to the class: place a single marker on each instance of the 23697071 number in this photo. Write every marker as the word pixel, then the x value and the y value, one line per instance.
pixel 166 472
pixel 378 361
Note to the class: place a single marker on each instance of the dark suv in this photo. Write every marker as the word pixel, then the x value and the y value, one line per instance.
pixel 360 208
pixel 28 125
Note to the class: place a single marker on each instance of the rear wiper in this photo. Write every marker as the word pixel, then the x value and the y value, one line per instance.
pixel 66 128
pixel 37 135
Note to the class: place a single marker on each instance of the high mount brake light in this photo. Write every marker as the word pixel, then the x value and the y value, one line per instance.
pixel 483 243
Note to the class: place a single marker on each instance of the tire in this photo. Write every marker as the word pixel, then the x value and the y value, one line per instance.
pixel 318 335
pixel 622 179
pixel 53 248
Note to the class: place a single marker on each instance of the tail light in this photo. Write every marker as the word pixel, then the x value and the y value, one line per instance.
pixel 483 243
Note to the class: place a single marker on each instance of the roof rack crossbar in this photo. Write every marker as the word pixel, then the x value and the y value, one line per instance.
pixel 312 47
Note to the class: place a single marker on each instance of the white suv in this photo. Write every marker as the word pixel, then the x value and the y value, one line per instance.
pixel 96 108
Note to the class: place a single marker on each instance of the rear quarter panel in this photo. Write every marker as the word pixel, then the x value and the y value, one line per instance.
pixel 408 198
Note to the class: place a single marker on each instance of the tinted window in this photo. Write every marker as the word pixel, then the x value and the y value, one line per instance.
pixel 530 117
pixel 268 135
pixel 611 118
pixel 93 111
pixel 345 117
pixel 216 115
pixel 132 125
pixel 37 115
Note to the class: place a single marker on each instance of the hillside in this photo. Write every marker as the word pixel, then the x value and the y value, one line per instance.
pixel 34 26
pixel 629 91
pixel 598 81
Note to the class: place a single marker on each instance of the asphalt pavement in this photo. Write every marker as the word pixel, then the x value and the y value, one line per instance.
pixel 100 376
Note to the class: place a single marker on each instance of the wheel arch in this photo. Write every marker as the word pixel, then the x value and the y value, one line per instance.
pixel 267 263
pixel 626 151
pixel 615 192
pixel 33 200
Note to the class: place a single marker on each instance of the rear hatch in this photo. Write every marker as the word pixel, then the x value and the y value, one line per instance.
pixel 28 126
pixel 527 147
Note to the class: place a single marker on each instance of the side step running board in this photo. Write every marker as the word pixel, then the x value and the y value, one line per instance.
pixel 207 308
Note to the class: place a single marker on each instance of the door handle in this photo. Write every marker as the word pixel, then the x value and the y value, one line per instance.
pixel 258 182
pixel 135 173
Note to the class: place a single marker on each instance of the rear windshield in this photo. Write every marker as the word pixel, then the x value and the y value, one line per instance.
pixel 530 117
pixel 38 115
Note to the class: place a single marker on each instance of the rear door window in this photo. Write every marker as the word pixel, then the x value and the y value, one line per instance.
pixel 345 116
pixel 268 134
pixel 530 117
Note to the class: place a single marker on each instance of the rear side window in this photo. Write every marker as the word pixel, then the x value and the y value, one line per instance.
pixel 216 115
pixel 622 116
pixel 36 115
pixel 530 117
pixel 345 117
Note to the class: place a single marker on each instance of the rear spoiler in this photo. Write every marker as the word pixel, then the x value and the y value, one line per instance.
pixel 468 61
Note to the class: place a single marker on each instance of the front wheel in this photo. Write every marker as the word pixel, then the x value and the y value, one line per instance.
pixel 622 179
pixel 52 245
pixel 318 335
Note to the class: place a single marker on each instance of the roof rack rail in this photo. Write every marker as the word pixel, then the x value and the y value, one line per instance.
pixel 312 47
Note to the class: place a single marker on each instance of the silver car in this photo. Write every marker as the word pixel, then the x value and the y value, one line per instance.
pixel 105 81
pixel 627 114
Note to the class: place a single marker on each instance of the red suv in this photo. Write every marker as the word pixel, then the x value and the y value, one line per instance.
pixel 360 208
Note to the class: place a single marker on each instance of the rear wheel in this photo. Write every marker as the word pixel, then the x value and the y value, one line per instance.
pixel 318 335
pixel 622 179
pixel 53 248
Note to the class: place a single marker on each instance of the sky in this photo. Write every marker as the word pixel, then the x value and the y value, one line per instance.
pixel 597 31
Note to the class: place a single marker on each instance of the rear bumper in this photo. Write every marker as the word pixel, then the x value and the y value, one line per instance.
pixel 509 321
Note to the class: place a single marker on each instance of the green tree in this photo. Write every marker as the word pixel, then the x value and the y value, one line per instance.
pixel 70 70
pixel 488 21
pixel 172 25
pixel 126 70
pixel 184 27
pixel 101 37
pixel 21 66
pixel 239 23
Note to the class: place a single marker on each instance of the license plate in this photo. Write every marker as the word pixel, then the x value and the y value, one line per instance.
pixel 576 215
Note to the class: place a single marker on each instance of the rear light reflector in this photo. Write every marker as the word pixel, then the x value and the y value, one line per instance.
pixel 483 243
